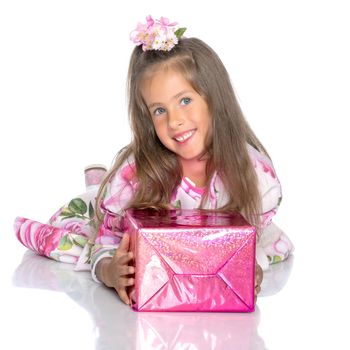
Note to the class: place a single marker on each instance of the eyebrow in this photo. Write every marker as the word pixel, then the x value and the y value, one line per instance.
pixel 173 98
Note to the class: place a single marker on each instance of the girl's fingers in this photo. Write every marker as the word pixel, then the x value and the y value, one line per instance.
pixel 125 258
pixel 258 275
pixel 256 292
pixel 123 296
pixel 258 280
pixel 126 281
pixel 126 270
pixel 124 244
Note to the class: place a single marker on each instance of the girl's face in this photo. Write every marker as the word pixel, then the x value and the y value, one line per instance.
pixel 180 115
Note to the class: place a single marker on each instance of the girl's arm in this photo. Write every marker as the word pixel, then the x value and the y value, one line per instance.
pixel 273 245
pixel 106 244
pixel 110 256
pixel 116 272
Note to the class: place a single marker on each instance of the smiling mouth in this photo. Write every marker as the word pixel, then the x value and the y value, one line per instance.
pixel 184 136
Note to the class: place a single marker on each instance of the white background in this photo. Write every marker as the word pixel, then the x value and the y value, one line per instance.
pixel 63 67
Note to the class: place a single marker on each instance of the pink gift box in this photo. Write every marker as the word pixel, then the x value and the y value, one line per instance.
pixel 192 260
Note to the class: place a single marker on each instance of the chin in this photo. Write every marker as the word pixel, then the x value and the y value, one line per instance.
pixel 189 158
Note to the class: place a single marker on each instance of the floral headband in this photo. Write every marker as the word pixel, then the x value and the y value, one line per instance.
pixel 157 34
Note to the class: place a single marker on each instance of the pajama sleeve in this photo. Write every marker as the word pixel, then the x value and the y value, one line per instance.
pixel 273 244
pixel 119 192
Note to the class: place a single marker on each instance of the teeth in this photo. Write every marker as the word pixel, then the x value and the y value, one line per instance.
pixel 184 137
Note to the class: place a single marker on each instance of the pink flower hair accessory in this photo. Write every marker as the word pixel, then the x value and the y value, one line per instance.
pixel 157 34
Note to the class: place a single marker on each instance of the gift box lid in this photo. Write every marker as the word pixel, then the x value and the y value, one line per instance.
pixel 181 218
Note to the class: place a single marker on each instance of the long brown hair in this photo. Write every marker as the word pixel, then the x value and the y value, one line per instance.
pixel 157 169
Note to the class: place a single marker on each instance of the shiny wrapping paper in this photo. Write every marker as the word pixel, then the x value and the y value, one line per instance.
pixel 192 260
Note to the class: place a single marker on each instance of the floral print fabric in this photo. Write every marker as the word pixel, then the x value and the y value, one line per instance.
pixel 66 236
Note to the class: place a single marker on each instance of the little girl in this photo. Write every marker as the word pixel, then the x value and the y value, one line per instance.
pixel 191 148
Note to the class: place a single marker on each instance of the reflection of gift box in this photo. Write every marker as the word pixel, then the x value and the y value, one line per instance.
pixel 167 330
pixel 192 260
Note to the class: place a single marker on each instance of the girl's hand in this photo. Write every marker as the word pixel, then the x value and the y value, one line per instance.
pixel 258 279
pixel 114 272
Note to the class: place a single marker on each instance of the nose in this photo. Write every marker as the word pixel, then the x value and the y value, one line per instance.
pixel 175 119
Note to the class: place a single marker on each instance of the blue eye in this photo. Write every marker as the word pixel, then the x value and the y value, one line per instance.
pixel 186 101
pixel 159 111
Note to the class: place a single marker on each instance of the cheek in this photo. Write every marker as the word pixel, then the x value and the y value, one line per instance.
pixel 160 128
pixel 206 120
